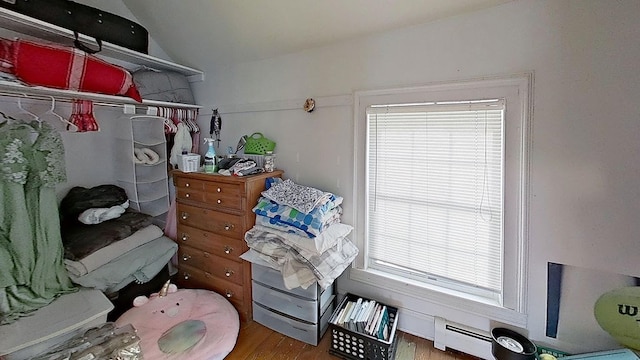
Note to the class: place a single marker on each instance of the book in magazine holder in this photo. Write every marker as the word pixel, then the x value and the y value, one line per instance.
pixel 356 345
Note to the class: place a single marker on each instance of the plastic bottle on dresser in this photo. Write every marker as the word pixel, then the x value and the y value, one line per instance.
pixel 210 165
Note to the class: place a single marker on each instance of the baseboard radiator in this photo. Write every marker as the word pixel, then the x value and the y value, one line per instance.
pixel 462 338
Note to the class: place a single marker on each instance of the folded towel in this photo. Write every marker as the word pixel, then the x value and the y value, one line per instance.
pixel 97 215
pixel 145 156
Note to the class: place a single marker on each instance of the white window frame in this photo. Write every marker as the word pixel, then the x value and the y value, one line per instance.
pixel 516 90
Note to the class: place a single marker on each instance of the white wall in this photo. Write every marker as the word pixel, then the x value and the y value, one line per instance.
pixel 584 160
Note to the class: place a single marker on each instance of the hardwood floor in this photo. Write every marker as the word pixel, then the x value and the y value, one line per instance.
pixel 259 342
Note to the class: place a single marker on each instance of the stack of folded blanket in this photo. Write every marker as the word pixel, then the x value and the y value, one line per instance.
pixel 107 245
pixel 298 232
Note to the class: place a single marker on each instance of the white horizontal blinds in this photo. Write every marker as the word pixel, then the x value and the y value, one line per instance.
pixel 435 192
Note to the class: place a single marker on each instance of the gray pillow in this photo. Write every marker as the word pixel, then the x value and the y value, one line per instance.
pixel 167 86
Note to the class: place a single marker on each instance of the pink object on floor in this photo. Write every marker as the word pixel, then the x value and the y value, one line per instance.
pixel 185 324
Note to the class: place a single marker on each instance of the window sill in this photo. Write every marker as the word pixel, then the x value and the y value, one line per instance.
pixel 466 303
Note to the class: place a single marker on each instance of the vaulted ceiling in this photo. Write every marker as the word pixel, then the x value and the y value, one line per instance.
pixel 221 32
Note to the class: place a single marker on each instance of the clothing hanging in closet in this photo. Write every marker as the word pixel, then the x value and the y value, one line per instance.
pixel 32 273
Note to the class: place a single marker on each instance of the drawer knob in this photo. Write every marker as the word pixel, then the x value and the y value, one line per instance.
pixel 186 276
pixel 228 227
pixel 206 254
pixel 187 185
pixel 229 293
pixel 219 201
pixel 219 190
pixel 228 249
pixel 187 195
pixel 207 275
pixel 186 257
pixel 228 272
pixel 185 237
pixel 184 216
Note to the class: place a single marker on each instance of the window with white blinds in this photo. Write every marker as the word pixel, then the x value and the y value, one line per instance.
pixel 440 193
pixel 434 209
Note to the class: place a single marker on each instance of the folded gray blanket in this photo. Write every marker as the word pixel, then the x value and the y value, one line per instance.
pixel 140 265
pixel 112 251
pixel 81 240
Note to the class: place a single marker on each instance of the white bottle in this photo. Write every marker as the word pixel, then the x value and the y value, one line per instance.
pixel 210 157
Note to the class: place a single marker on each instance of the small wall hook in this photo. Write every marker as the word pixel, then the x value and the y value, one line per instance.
pixel 309 105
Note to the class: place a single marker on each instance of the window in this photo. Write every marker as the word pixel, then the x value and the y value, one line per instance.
pixel 440 189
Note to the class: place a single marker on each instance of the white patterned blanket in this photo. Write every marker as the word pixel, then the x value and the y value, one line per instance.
pixel 300 267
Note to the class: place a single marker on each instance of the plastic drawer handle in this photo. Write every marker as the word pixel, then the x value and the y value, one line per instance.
pixel 228 249
pixel 229 293
pixel 219 201
pixel 186 276
pixel 187 185
pixel 185 237
pixel 228 227
pixel 184 216
pixel 219 190
pixel 228 272
pixel 186 257
pixel 187 195
pixel 207 275
pixel 206 254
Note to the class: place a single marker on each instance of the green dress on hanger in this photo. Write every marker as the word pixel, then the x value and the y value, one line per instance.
pixel 32 272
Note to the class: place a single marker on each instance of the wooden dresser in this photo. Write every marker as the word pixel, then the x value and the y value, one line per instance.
pixel 214 212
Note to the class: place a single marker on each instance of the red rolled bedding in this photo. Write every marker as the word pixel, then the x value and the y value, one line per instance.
pixel 63 67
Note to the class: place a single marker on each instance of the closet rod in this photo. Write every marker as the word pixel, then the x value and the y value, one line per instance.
pixel 98 99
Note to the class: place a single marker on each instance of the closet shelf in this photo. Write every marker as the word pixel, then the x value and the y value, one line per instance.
pixel 129 59
pixel 9 88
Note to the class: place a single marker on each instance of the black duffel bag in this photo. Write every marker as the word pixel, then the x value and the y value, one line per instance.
pixel 87 20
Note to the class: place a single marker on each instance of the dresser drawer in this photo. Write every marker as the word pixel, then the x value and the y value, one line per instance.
pixel 217 194
pixel 191 277
pixel 303 309
pixel 224 195
pixel 226 247
pixel 217 266
pixel 211 220
pixel 190 194
pixel 273 278
pixel 186 183
pixel 301 330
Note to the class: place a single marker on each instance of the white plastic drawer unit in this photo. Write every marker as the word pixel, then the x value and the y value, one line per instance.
pixel 292 305
pixel 302 314
pixel 300 330
pixel 273 278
